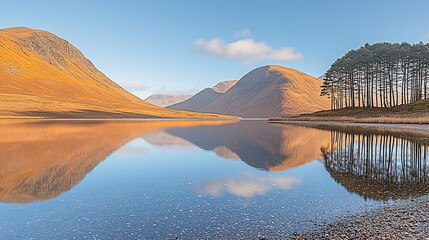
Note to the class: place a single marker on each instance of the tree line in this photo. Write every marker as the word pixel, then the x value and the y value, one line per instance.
pixel 378 75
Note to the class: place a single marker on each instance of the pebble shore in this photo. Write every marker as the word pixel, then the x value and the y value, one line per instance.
pixel 406 219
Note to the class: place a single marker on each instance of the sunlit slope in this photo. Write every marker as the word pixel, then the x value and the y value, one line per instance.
pixel 41 159
pixel 271 91
pixel 43 75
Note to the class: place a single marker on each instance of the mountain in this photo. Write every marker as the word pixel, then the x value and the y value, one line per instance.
pixel 271 91
pixel 164 100
pixel 204 97
pixel 43 75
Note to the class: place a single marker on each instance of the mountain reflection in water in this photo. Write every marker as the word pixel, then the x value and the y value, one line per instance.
pixel 41 159
pixel 259 144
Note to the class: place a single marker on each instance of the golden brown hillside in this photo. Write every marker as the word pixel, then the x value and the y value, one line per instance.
pixel 43 75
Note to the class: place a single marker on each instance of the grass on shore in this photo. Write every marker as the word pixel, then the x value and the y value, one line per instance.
pixel 416 113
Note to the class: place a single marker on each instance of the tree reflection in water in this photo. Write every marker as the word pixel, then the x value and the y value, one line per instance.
pixel 378 166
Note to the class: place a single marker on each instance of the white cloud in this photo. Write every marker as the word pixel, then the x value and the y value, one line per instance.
pixel 244 33
pixel 246 50
pixel 248 185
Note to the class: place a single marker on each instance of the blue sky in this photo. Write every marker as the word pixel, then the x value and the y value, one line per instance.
pixel 185 46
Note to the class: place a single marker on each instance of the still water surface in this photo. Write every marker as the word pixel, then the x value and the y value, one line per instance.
pixel 196 179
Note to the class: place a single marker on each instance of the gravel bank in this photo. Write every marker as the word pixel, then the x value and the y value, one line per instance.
pixel 399 220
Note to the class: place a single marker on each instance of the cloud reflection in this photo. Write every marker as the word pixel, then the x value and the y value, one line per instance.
pixel 248 185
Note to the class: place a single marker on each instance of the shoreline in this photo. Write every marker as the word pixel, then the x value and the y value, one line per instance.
pixel 402 219
pixel 393 126
pixel 408 119
pixel 126 119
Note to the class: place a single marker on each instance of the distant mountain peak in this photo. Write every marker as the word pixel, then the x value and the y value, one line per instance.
pixel 224 86
pixel 164 100
pixel 204 97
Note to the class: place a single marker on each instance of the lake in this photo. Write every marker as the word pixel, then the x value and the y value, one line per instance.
pixel 197 179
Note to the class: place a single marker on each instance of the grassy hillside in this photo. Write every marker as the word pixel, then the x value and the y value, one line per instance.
pixel 416 112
